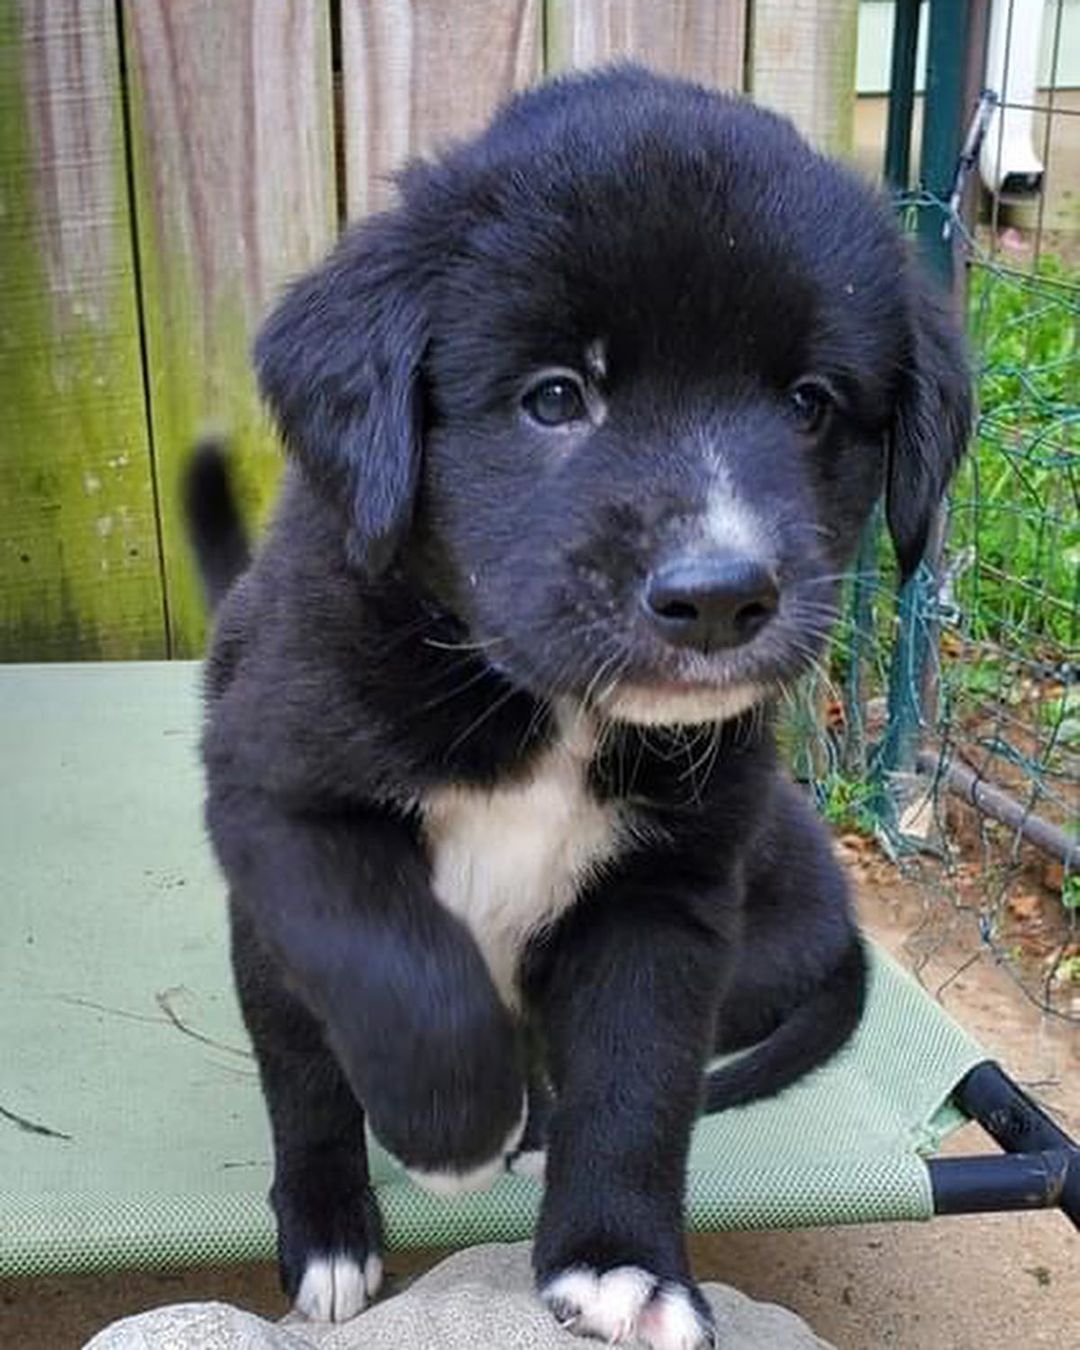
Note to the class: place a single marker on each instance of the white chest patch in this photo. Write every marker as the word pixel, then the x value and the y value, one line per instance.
pixel 510 860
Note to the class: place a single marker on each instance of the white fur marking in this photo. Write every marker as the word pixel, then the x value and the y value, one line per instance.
pixel 459 1183
pixel 478 1178
pixel 373 1274
pixel 648 707
pixel 671 1322
pixel 508 861
pixel 626 1304
pixel 730 525
pixel 605 1305
pixel 728 522
pixel 334 1288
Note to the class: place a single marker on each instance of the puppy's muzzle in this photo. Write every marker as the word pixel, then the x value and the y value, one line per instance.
pixel 710 602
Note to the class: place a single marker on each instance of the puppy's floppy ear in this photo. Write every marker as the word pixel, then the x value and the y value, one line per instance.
pixel 339 364
pixel 932 420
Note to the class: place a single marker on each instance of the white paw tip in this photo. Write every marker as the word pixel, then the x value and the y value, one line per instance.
pixel 335 1288
pixel 373 1275
pixel 605 1305
pixel 671 1322
pixel 627 1304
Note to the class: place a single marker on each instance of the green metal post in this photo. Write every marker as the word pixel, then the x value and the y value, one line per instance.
pixel 905 45
pixel 943 118
pixel 943 127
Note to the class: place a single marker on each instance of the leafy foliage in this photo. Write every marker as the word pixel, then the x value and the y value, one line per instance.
pixel 1016 502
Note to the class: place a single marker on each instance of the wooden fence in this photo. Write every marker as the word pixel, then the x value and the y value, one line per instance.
pixel 166 165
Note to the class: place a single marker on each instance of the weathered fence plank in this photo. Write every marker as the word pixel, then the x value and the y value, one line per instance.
pixel 79 568
pixel 233 161
pixel 804 66
pixel 702 40
pixel 419 73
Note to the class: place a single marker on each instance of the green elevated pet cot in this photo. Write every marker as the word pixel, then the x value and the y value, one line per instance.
pixel 132 1132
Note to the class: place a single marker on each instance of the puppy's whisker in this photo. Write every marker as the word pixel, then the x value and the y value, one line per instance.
pixel 824 607
pixel 604 695
pixel 477 722
pixel 448 695
pixel 717 741
pixel 831 578
pixel 481 645
pixel 614 658
pixel 711 732
pixel 541 709
pixel 817 669
pixel 814 625
pixel 399 637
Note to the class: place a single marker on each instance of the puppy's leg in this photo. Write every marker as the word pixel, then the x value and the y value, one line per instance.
pixel 798 987
pixel 328 1222
pixel 379 974
pixel 626 995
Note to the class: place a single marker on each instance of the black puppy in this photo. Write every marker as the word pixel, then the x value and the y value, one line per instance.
pixel 584 434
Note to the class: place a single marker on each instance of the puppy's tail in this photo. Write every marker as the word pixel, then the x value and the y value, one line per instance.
pixel 808 1037
pixel 213 520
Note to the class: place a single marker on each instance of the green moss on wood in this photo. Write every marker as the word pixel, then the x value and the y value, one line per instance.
pixel 198 326
pixel 79 571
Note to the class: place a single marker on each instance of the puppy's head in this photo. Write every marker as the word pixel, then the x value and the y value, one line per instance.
pixel 618 383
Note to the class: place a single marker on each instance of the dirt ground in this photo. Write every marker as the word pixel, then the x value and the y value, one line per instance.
pixel 992 1282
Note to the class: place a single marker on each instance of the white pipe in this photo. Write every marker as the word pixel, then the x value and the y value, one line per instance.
pixel 1008 164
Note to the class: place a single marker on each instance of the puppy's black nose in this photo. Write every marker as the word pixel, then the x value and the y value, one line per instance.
pixel 711 601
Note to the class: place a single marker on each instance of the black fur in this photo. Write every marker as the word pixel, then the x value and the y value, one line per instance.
pixel 217 531
pixel 445 575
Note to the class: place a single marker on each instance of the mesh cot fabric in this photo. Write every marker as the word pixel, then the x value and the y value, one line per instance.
pixel 132 1131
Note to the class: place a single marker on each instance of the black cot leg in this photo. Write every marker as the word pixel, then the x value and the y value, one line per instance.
pixel 1003 1181
pixel 1041 1165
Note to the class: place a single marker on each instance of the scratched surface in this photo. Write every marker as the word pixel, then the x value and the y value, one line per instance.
pixel 125 1072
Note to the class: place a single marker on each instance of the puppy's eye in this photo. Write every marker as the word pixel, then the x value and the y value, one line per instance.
pixel 555 401
pixel 810 405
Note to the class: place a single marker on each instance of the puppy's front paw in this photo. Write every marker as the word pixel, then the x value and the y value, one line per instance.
pixel 335 1287
pixel 328 1240
pixel 628 1304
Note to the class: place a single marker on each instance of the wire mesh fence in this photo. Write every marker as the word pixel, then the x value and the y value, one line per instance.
pixel 1002 749
pixel 1009 711
pixel 979 667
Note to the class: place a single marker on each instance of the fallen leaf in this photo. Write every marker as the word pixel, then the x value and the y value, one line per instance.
pixel 1024 906
pixel 1053 874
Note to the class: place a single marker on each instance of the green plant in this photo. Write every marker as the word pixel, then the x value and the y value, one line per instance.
pixel 1061 716
pixel 1068 970
pixel 983 679
pixel 1017 496
pixel 846 803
